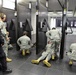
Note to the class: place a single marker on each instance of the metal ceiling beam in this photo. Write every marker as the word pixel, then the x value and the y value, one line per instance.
pixel 43 5
pixel 23 5
pixel 60 4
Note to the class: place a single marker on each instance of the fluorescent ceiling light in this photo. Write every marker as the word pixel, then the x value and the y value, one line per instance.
pixel 12 0
pixel 0 2
pixel 30 5
pixel 47 3
pixel 32 0
pixel 18 1
pixel 8 4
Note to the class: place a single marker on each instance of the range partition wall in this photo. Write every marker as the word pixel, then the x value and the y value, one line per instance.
pixel 41 26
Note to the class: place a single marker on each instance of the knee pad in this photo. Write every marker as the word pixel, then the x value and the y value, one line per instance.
pixel 44 53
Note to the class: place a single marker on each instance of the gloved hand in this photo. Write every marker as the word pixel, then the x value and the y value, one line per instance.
pixel 7 38
pixel 49 42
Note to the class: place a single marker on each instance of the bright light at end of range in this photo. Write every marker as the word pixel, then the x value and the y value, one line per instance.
pixel 0 2
pixel 18 1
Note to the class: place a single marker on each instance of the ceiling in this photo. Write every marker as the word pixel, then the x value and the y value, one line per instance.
pixel 53 4
pixel 25 3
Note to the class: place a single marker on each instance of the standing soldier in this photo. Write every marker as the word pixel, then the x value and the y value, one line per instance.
pixel 5 36
pixel 2 53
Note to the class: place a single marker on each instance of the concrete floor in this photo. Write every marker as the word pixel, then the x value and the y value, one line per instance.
pixel 21 65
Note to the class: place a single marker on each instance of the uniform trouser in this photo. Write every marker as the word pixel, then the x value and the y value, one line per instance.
pixel 55 45
pixel 5 48
pixel 45 55
pixel 26 48
pixel 53 49
pixel 3 61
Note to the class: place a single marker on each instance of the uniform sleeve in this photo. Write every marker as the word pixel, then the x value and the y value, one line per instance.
pixel 48 34
pixel 18 42
pixel 59 34
pixel 29 41
pixel 3 29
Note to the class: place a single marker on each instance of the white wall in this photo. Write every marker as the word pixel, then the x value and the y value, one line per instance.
pixel 52 22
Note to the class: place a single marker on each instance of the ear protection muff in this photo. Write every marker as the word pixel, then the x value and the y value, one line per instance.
pixel 2 17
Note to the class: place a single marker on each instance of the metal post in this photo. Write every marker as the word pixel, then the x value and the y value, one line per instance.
pixel 1 4
pixel 47 8
pixel 37 16
pixel 47 5
pixel 30 5
pixel 16 22
pixel 60 4
pixel 64 20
